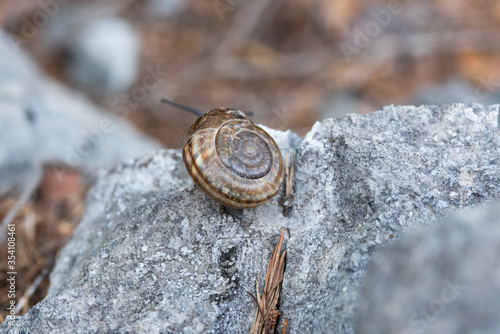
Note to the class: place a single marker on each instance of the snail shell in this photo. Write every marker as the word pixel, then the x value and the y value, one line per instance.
pixel 232 160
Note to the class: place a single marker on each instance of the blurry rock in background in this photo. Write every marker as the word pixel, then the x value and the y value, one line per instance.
pixel 449 92
pixel 165 8
pixel 100 52
pixel 341 103
pixel 441 280
pixel 103 58
pixel 457 90
pixel 42 122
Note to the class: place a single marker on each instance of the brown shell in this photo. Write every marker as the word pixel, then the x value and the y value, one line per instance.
pixel 232 160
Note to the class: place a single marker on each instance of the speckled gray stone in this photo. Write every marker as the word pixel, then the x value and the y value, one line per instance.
pixel 442 280
pixel 154 255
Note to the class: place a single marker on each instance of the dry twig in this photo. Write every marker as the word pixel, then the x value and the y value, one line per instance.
pixel 268 313
pixel 288 200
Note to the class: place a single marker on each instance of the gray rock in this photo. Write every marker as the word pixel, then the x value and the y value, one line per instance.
pixel 101 50
pixel 42 122
pixel 165 8
pixel 340 104
pixel 103 56
pixel 153 254
pixel 456 90
pixel 442 280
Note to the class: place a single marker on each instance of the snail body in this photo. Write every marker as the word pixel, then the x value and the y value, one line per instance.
pixel 233 160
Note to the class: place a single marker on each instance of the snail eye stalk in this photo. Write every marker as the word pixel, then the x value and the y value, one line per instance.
pixel 193 111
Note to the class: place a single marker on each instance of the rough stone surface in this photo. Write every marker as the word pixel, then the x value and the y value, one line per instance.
pixel 154 255
pixel 442 280
pixel 42 122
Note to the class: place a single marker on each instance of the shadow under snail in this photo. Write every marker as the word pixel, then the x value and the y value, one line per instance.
pixel 231 159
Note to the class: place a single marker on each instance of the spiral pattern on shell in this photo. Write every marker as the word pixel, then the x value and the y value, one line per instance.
pixel 232 160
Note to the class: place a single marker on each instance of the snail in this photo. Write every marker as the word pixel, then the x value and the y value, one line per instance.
pixel 231 159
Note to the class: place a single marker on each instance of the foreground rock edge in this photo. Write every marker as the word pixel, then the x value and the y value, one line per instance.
pixel 345 253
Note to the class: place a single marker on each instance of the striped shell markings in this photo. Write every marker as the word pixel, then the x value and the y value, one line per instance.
pixel 232 160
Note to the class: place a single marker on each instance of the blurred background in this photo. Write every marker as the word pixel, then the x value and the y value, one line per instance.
pixel 290 62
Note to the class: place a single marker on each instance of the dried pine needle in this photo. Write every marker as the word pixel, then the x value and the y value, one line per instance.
pixel 267 313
